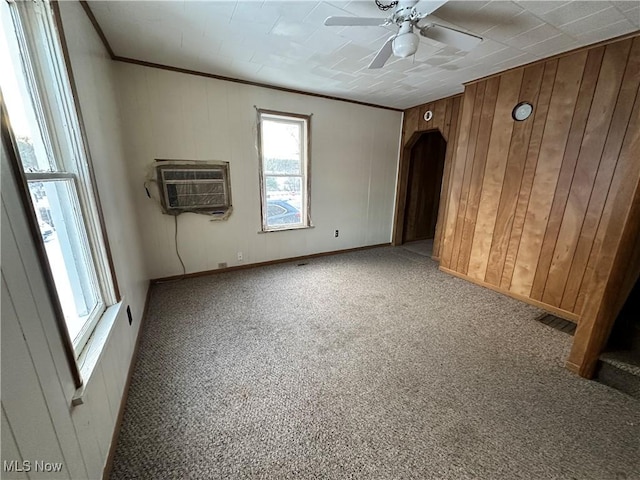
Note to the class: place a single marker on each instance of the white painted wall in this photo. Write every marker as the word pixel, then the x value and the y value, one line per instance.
pixel 167 115
pixel 38 422
pixel 354 158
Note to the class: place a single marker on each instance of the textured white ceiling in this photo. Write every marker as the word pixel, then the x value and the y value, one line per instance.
pixel 285 43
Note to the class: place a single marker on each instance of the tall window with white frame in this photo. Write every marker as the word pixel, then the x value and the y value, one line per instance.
pixel 37 94
pixel 284 170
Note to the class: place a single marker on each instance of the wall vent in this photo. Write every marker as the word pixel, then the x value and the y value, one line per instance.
pixel 558 323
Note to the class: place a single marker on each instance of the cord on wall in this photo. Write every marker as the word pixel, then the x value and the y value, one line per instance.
pixel 184 270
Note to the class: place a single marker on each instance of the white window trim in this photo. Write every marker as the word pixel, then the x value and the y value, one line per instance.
pixel 305 143
pixel 36 18
pixel 94 349
pixel 58 120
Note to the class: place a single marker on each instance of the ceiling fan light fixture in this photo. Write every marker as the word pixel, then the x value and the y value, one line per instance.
pixel 405 44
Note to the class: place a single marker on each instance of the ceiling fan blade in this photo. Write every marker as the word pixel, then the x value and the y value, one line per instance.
pixel 354 22
pixel 383 54
pixel 427 7
pixel 451 36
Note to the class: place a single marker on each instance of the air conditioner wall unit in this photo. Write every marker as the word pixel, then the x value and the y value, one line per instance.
pixel 194 187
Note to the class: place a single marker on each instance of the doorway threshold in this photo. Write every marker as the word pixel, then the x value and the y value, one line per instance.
pixel 420 247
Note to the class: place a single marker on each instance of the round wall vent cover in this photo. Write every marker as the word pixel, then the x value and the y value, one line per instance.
pixel 522 111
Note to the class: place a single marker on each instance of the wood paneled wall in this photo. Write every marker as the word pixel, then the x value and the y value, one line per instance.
pixel 446 119
pixel 611 284
pixel 531 203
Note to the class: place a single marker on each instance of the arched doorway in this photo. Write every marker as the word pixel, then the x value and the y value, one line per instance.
pixel 426 158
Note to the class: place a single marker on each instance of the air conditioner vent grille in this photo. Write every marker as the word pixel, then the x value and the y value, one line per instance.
pixel 195 188
pixel 192 174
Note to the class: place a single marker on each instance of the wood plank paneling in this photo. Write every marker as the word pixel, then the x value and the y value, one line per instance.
pixel 592 333
pixel 544 207
pixel 578 124
pixel 439 114
pixel 619 123
pixel 22 398
pixel 498 142
pixel 531 162
pixel 499 233
pixel 411 118
pixel 554 140
pixel 10 450
pixel 30 323
pixel 466 178
pixel 444 184
pixel 478 170
pixel 452 127
pixel 627 169
pixel 455 183
pixel 614 255
pixel 595 135
pixel 445 119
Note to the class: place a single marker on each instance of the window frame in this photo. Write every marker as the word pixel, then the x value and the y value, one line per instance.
pixel 46 69
pixel 11 145
pixel 305 143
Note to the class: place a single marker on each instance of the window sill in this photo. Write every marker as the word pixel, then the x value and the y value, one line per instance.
pixel 93 350
pixel 288 229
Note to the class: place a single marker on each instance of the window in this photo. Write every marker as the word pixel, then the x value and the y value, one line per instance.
pixel 199 188
pixel 284 170
pixel 37 95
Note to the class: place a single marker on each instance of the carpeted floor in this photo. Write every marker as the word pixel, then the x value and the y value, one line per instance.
pixel 369 365
pixel 421 247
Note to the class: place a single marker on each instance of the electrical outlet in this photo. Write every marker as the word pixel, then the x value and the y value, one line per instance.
pixel 129 314
pixel 239 256
pixel 336 234
pixel 222 265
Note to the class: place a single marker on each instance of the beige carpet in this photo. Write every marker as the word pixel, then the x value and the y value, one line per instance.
pixel 421 247
pixel 369 365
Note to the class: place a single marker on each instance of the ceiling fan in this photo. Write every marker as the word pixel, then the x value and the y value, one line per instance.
pixel 407 15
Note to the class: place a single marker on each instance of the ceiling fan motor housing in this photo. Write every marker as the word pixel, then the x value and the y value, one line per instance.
pixel 409 14
pixel 406 42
